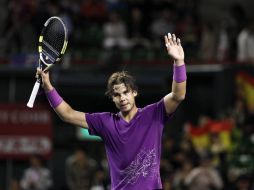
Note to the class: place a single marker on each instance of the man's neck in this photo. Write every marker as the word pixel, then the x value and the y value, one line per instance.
pixel 127 116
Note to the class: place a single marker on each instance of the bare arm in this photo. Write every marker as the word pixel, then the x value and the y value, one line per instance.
pixel 69 115
pixel 177 95
pixel 64 110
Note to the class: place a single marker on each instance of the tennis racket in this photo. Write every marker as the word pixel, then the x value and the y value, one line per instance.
pixel 53 41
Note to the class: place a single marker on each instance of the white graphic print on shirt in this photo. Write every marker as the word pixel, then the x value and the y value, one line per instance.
pixel 143 165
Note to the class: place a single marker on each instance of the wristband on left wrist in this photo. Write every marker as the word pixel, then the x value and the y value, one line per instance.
pixel 179 73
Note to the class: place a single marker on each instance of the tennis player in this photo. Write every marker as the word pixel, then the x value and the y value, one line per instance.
pixel 132 137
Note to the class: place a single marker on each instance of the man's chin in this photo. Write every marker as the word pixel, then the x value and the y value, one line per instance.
pixel 125 109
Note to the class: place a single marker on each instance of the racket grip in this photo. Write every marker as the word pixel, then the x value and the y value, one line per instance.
pixel 33 95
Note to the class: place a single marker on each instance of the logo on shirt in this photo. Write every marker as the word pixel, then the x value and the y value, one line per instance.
pixel 145 164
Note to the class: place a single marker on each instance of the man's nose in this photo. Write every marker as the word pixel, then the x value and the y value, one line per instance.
pixel 122 97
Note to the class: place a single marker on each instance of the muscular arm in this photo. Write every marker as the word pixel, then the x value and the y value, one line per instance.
pixel 178 91
pixel 177 95
pixel 69 115
pixel 64 110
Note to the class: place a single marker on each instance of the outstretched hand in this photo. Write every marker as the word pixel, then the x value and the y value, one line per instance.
pixel 174 47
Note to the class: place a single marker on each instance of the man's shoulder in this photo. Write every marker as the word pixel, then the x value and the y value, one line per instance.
pixel 243 35
pixel 152 105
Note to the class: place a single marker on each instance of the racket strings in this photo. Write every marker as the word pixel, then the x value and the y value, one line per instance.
pixel 47 56
pixel 50 47
pixel 53 38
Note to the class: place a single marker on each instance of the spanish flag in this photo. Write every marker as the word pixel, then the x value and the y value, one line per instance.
pixel 200 135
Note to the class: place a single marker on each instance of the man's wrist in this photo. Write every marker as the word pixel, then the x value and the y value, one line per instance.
pixel 48 88
pixel 179 62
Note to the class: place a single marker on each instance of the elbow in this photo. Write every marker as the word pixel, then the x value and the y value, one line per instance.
pixel 68 118
pixel 65 119
pixel 181 98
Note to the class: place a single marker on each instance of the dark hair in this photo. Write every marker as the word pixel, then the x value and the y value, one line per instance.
pixel 37 157
pixel 119 78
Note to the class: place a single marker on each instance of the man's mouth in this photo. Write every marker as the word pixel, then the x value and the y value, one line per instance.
pixel 123 105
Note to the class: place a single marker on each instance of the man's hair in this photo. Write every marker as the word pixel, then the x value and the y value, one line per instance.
pixel 119 78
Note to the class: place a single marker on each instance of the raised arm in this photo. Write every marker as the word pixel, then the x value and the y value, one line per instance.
pixel 177 95
pixel 63 110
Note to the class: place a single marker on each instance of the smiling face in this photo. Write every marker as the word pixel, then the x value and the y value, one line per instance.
pixel 124 98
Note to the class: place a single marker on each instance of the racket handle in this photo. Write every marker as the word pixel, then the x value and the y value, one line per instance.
pixel 33 95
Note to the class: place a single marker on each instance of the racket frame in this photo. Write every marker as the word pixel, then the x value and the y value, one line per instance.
pixel 37 84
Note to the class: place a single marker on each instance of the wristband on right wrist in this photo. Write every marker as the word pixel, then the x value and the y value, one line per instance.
pixel 54 98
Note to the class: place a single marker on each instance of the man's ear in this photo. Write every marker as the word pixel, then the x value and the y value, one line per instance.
pixel 135 93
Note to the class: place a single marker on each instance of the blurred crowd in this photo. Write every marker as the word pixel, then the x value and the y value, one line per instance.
pixel 126 30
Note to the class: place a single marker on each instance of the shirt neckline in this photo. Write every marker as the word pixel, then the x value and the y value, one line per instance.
pixel 134 117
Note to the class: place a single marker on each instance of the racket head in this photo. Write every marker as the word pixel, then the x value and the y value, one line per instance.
pixel 53 41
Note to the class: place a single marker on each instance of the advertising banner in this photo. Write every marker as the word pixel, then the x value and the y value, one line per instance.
pixel 25 131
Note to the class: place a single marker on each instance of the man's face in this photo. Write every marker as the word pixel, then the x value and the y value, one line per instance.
pixel 35 162
pixel 123 98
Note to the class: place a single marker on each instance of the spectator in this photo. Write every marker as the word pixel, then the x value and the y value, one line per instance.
pixel 162 24
pixel 79 170
pixel 36 177
pixel 188 28
pixel 14 185
pixel 138 29
pixel 181 174
pixel 204 177
pixel 188 149
pixel 115 32
pixel 207 46
pixel 19 34
pixel 237 17
pixel 94 10
pixel 243 182
pixel 245 44
pixel 99 180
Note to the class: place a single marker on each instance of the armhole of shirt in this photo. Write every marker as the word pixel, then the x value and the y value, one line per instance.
pixel 166 116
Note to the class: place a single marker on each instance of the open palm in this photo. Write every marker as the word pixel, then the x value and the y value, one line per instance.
pixel 174 47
